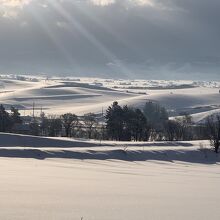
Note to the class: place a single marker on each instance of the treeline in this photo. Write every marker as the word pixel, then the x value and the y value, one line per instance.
pixel 67 125
pixel 152 123
pixel 120 123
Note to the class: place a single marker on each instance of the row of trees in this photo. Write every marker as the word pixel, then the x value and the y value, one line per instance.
pixel 121 123
pixel 68 125
pixel 126 124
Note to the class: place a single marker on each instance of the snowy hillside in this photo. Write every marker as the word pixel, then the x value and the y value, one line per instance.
pixel 46 178
pixel 84 95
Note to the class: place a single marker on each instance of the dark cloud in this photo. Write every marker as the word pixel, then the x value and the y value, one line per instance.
pixel 159 39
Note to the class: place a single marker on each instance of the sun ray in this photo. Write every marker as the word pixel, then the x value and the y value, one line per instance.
pixel 52 36
pixel 89 36
pixel 107 29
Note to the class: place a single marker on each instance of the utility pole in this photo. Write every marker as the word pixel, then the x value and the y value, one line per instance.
pixel 41 110
pixel 33 109
pixel 101 136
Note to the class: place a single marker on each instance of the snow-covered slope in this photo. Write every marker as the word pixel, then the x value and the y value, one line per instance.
pixel 84 95
pixel 59 178
pixel 46 178
pixel 57 97
pixel 13 145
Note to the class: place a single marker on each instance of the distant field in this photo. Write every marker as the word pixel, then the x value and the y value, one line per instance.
pixel 84 95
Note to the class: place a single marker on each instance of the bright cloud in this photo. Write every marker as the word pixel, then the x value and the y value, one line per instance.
pixel 128 3
pixel 144 2
pixel 134 2
pixel 62 25
pixel 9 8
pixel 103 2
pixel 14 3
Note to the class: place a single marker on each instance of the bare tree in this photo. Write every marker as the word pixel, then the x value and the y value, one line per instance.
pixel 69 121
pixel 54 125
pixel 90 122
pixel 172 130
pixel 213 129
pixel 185 124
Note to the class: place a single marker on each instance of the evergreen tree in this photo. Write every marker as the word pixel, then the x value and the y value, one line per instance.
pixel 5 120
pixel 141 127
pixel 15 116
pixel 114 121
pixel 126 124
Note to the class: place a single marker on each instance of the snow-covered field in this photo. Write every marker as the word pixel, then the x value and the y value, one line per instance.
pixel 84 95
pixel 46 178
pixel 54 178
pixel 57 96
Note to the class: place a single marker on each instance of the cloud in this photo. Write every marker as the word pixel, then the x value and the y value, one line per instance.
pixel 10 8
pixel 103 2
pixel 132 3
pixel 144 2
pixel 179 37
pixel 24 24
pixel 62 24
pixel 14 3
pixel 126 2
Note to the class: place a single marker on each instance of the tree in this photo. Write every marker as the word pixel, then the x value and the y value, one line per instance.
pixel 156 115
pixel 114 121
pixel 89 121
pixel 54 126
pixel 34 128
pixel 213 129
pixel 15 116
pixel 5 120
pixel 126 124
pixel 44 125
pixel 173 130
pixel 187 119
pixel 69 122
pixel 185 127
pixel 135 125
pixel 128 118
pixel 142 128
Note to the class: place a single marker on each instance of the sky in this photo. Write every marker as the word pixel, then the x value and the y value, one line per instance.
pixel 144 39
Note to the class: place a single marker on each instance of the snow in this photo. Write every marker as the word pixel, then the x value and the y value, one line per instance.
pixel 84 95
pixel 158 180
pixel 57 97
pixel 60 178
